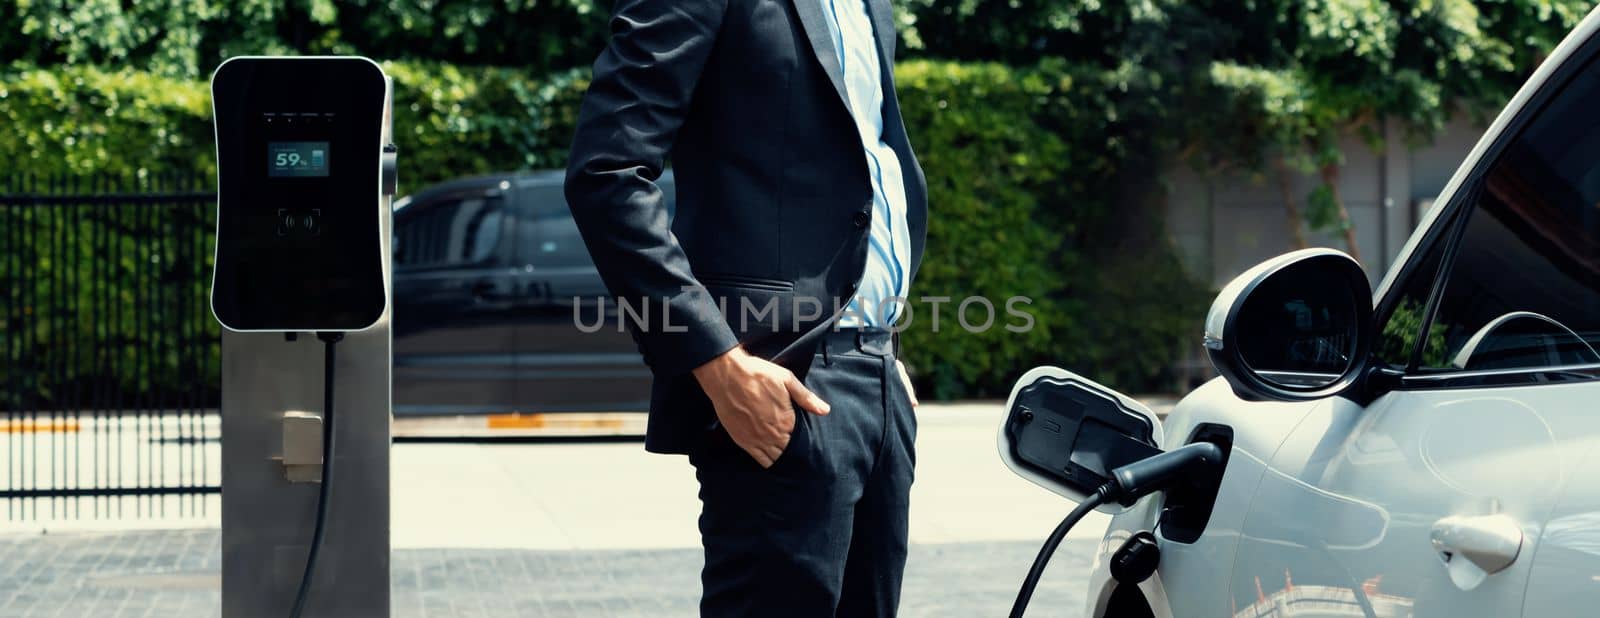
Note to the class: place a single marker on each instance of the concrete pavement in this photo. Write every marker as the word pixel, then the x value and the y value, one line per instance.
pixel 572 529
pixel 616 496
pixel 173 574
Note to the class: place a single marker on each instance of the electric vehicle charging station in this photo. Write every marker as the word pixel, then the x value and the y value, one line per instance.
pixel 305 175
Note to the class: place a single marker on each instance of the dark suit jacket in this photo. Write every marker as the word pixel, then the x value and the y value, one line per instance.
pixel 773 195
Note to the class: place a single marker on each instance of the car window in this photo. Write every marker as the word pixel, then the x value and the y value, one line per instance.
pixel 1523 289
pixel 553 238
pixel 450 232
pixel 1403 323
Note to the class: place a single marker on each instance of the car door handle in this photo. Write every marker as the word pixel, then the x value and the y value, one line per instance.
pixel 486 291
pixel 1473 547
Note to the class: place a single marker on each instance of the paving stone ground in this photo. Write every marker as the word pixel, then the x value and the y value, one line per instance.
pixel 174 573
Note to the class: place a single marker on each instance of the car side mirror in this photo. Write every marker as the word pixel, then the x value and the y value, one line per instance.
pixel 1066 433
pixel 1296 327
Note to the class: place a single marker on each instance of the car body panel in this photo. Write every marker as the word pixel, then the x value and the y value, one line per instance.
pixel 561 367
pixel 1348 505
pixel 1200 573
pixel 454 336
pixel 1565 577
pixel 492 328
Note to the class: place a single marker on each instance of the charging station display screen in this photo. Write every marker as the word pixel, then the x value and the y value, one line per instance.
pixel 297 159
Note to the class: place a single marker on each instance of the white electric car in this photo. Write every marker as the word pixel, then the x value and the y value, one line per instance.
pixel 1430 449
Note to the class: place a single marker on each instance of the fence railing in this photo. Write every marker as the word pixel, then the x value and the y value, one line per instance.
pixel 109 359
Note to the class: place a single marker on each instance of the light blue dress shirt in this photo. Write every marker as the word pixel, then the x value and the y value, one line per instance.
pixel 889 243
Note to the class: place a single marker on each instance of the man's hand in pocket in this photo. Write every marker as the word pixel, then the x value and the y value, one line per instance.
pixel 755 400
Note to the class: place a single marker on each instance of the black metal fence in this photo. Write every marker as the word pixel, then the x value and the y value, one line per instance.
pixel 109 359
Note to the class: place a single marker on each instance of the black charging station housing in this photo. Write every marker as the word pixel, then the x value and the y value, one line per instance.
pixel 299 191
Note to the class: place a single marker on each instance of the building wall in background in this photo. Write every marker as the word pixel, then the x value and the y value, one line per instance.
pixel 1223 224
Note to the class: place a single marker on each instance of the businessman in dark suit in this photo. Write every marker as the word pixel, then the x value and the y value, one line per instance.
pixel 799 227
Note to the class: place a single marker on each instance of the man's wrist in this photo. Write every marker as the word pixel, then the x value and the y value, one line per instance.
pixel 718 365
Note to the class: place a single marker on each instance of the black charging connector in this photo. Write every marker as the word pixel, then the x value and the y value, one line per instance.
pixel 330 342
pixel 1128 483
pixel 1155 473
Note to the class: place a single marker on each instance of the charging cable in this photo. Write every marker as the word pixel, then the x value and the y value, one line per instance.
pixel 1032 581
pixel 1128 483
pixel 330 342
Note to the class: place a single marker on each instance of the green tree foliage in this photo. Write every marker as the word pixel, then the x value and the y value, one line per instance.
pixel 1399 337
pixel 1358 64
pixel 452 121
pixel 1263 81
pixel 1020 187
pixel 1044 170
pixel 87 120
pixel 187 38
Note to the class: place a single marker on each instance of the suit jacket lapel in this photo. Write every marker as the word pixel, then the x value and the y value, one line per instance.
pixel 816 27
pixel 883 30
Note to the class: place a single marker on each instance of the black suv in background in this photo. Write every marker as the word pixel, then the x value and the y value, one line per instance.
pixel 486 273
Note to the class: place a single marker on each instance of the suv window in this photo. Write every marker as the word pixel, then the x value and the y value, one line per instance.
pixel 450 232
pixel 553 236
pixel 553 239
pixel 1523 290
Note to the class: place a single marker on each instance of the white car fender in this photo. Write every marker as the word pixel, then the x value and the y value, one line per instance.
pixel 1200 573
pixel 1101 584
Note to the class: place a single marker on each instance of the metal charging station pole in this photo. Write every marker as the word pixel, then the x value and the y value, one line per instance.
pixel 266 520
pixel 273 377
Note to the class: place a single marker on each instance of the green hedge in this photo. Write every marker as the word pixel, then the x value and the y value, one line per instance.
pixel 452 121
pixel 987 164
pixel 1023 174
pixel 84 120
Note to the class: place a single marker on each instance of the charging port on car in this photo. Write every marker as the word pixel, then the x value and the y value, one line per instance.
pixel 1186 507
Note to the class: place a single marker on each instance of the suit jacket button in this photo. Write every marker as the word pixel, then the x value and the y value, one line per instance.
pixel 861 219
